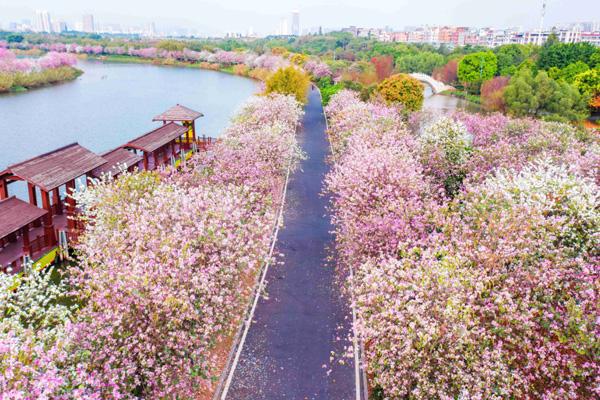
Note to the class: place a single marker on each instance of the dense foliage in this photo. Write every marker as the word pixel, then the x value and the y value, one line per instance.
pixel 541 96
pixel 475 244
pixel 28 73
pixel 476 68
pixel 402 89
pixel 289 81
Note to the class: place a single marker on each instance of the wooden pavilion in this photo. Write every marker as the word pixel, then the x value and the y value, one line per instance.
pixel 19 234
pixel 160 141
pixel 48 173
pixel 117 160
pixel 187 117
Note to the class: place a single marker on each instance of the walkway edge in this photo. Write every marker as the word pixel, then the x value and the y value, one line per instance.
pixel 357 344
pixel 240 338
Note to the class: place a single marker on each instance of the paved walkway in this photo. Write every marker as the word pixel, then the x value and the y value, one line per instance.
pixel 304 318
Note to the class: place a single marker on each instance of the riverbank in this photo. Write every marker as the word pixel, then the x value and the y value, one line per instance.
pixel 462 95
pixel 170 62
pixel 22 82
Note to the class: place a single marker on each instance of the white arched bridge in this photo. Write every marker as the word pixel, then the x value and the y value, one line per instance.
pixel 436 85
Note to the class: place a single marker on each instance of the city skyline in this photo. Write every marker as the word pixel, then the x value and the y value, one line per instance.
pixel 265 16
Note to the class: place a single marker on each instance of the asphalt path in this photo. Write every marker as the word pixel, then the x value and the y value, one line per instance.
pixel 304 317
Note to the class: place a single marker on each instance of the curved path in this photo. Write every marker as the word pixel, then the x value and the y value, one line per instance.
pixel 304 318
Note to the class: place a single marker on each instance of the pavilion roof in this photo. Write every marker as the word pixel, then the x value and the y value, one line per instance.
pixel 116 159
pixel 157 137
pixel 178 113
pixel 51 170
pixel 15 214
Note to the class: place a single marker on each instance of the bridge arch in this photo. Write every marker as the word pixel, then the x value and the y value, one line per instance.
pixel 436 85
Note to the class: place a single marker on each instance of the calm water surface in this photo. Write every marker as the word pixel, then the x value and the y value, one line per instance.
pixel 111 104
pixel 440 103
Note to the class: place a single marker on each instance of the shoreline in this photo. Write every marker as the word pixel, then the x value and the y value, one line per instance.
pixel 74 73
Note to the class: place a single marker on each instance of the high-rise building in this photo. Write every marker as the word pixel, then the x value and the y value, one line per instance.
pixel 88 23
pixel 43 23
pixel 59 26
pixel 284 29
pixel 296 23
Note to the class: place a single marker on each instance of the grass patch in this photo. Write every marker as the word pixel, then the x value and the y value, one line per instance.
pixel 462 95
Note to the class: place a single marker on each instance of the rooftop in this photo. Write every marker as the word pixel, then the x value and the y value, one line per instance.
pixel 116 159
pixel 51 170
pixel 157 138
pixel 178 113
pixel 15 214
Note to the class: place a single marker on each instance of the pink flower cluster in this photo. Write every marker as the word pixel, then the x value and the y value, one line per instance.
pixel 56 60
pixel 318 69
pixel 488 291
pixel 9 63
pixel 164 270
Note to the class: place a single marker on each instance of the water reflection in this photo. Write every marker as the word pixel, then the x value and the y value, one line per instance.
pixel 439 103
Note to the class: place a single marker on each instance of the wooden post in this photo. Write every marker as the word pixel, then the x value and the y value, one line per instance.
pixel 57 201
pixel 154 158
pixel 194 130
pixel 3 189
pixel 48 225
pixel 70 206
pixel 33 201
pixel 146 161
pixel 165 154
pixel 26 243
pixel 32 194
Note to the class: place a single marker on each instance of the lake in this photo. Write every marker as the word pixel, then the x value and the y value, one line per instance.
pixel 111 104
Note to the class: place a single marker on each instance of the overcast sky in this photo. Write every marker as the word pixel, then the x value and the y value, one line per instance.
pixel 213 16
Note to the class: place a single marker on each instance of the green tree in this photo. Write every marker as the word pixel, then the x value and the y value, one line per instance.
pixel 569 72
pixel 510 56
pixel 541 96
pixel 588 82
pixel 476 68
pixel 595 59
pixel 519 94
pixel 562 54
pixel 14 38
pixel 403 89
pixel 425 62
pixel 170 45
pixel 290 81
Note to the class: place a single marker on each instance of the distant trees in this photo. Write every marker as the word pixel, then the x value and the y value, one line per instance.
pixel 588 83
pixel 562 54
pixel 14 38
pixel 476 68
pixel 170 45
pixel 541 96
pixel 510 56
pixel 424 61
pixel 289 81
pixel 492 93
pixel 402 89
pixel 384 66
pixel 569 72
pixel 447 73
